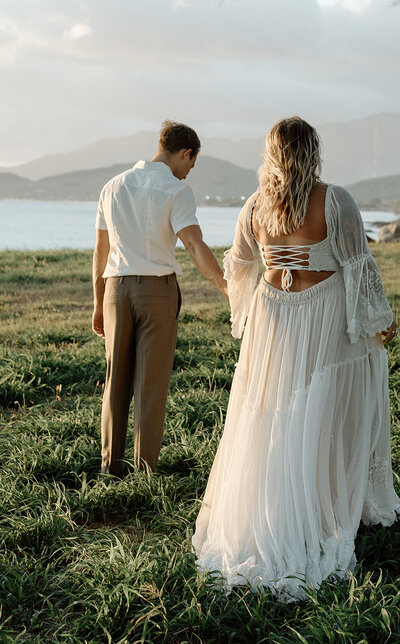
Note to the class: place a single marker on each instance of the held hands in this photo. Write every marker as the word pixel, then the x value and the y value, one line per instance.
pixel 390 332
pixel 97 322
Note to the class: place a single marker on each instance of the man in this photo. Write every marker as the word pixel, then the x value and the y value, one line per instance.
pixel 136 296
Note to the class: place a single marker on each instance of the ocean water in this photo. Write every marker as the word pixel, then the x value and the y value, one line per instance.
pixel 34 225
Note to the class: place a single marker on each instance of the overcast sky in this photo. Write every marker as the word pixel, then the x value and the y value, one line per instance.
pixel 75 71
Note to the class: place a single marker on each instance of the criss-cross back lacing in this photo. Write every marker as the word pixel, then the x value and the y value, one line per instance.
pixel 317 256
pixel 295 257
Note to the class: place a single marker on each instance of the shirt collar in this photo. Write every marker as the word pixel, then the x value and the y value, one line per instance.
pixel 150 165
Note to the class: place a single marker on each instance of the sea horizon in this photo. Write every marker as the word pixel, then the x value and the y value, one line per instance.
pixel 49 225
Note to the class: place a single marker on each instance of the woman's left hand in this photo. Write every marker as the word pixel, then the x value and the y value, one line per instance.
pixel 390 332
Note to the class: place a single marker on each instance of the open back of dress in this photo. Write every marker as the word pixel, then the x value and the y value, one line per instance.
pixel 317 256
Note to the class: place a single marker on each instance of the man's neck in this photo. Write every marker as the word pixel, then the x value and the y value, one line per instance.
pixel 164 157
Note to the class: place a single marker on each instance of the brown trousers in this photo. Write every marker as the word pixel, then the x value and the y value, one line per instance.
pixel 140 325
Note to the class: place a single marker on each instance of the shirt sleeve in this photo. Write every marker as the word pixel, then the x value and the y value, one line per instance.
pixel 100 219
pixel 183 211
pixel 367 309
pixel 241 270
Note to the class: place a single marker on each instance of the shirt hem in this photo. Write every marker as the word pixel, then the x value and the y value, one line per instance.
pixel 169 271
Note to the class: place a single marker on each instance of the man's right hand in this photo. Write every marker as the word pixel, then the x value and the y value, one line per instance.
pixel 98 322
pixel 390 332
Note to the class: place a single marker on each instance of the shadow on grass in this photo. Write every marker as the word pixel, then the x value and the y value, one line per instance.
pixel 377 546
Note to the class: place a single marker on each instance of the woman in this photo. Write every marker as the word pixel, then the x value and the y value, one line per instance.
pixel 305 453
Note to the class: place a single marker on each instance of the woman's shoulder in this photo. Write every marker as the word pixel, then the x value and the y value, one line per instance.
pixel 340 203
pixel 343 210
pixel 247 206
pixel 332 189
pixel 250 200
pixel 340 192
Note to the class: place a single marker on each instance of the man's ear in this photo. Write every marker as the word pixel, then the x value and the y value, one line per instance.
pixel 188 153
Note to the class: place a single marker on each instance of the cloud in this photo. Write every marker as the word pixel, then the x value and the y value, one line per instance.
pixel 179 4
pixel 9 37
pixel 230 67
pixel 78 31
pixel 357 6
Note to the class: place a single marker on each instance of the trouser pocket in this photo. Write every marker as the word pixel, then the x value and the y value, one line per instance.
pixel 179 300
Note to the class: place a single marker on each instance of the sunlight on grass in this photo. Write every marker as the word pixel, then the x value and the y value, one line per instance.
pixel 90 559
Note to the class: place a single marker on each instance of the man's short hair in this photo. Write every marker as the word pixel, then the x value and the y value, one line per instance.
pixel 177 136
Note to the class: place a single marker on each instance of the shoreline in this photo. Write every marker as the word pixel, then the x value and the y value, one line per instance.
pixel 204 203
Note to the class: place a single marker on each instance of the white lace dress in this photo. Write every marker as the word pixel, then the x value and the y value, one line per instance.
pixel 305 453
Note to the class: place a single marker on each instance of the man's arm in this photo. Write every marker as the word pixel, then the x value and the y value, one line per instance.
pixel 203 258
pixel 100 256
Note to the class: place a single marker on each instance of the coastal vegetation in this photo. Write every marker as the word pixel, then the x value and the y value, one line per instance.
pixel 85 558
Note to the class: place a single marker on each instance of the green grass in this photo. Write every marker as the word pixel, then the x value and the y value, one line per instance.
pixel 84 559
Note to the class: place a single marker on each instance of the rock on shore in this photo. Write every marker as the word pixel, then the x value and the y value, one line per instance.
pixel 389 232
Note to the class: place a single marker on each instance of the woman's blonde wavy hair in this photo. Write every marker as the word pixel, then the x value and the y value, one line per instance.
pixel 292 165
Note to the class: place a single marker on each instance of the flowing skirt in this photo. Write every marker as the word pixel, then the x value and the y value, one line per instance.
pixel 305 453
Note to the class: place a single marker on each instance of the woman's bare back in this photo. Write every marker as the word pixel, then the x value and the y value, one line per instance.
pixel 312 231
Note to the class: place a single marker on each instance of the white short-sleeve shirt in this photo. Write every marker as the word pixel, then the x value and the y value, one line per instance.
pixel 143 209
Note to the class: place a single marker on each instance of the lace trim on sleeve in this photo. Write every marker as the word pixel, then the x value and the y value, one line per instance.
pixel 368 311
pixel 381 504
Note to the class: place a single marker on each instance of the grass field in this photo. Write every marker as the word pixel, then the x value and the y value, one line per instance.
pixel 86 559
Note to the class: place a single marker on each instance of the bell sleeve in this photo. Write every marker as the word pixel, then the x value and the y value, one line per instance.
pixel 241 270
pixel 367 309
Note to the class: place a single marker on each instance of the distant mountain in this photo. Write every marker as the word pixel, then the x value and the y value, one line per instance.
pixel 362 149
pixel 221 181
pixel 354 151
pixel 76 186
pixel 212 180
pixel 377 194
pixel 103 153
pixel 12 186
pixel 246 153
